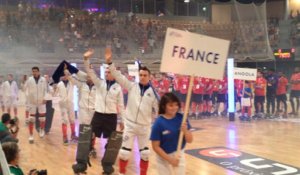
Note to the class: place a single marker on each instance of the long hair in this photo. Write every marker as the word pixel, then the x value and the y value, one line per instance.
pixel 165 99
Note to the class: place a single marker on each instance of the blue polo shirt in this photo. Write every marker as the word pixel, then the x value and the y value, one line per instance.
pixel 249 90
pixel 167 132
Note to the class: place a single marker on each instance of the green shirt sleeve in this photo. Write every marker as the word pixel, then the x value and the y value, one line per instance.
pixel 3 127
pixel 15 170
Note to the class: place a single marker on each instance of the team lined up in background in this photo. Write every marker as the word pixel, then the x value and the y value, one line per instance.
pixel 208 94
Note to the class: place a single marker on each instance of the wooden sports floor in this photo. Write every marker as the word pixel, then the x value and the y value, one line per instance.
pixel 275 140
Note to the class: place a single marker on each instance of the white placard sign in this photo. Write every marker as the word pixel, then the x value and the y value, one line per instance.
pixel 245 74
pixel 193 54
pixel 133 70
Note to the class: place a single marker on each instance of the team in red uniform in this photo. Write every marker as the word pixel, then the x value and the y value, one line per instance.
pixel 209 94
pixel 183 85
pixel 164 85
pixel 207 97
pixel 222 96
pixel 260 95
pixel 295 91
pixel 238 86
pixel 197 97
pixel 281 93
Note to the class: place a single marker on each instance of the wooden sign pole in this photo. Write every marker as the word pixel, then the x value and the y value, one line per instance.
pixel 185 115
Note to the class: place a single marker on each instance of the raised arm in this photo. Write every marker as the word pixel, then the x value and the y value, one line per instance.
pixel 72 79
pixel 90 72
pixel 121 79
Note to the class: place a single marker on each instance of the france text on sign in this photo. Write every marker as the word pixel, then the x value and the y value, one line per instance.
pixel 133 69
pixel 243 163
pixel 245 74
pixel 193 54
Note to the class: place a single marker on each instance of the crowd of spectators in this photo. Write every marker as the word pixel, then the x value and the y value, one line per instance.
pixel 295 29
pixel 26 26
pixel 52 27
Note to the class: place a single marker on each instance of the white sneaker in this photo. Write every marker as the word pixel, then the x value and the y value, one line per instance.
pixel 42 133
pixel 31 140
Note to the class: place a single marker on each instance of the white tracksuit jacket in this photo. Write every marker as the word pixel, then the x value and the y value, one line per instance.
pixel 36 90
pixel 109 101
pixel 65 93
pixel 10 90
pixel 24 89
pixel 87 95
pixel 139 107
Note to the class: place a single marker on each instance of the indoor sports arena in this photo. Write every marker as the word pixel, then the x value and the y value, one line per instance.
pixel 149 87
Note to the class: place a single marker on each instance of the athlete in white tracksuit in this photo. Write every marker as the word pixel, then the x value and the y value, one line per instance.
pixel 109 102
pixel 65 91
pixel 142 100
pixel 36 87
pixel 87 96
pixel 10 94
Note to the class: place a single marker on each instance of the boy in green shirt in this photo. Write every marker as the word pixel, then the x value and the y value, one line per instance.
pixel 5 134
